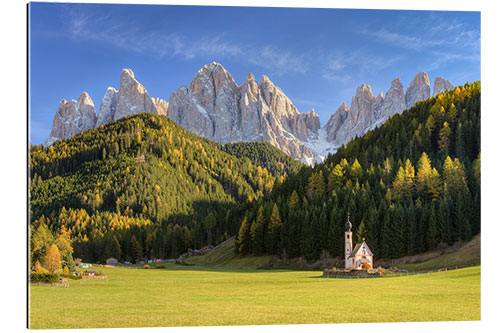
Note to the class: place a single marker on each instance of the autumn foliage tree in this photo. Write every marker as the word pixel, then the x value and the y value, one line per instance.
pixel 53 259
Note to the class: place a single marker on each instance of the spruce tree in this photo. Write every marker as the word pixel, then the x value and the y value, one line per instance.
pixel 136 249
pixel 116 251
pixel 244 238
pixel 273 242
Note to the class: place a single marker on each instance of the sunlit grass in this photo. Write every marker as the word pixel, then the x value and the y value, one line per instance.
pixel 195 296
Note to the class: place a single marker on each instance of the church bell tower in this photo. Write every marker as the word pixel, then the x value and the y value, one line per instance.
pixel 348 243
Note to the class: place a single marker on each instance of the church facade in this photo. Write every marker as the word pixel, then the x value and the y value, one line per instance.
pixel 359 257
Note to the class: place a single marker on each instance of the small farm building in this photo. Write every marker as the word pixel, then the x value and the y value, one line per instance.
pixel 111 261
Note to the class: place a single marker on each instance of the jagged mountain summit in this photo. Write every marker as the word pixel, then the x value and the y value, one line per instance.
pixel 76 116
pixel 368 111
pixel 214 106
pixel 72 117
pixel 441 85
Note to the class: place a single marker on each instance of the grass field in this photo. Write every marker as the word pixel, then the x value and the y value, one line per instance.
pixel 190 296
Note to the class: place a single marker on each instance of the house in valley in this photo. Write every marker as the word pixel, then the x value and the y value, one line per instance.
pixel 361 257
pixel 111 261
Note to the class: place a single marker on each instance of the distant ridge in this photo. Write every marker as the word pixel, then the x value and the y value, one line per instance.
pixel 215 107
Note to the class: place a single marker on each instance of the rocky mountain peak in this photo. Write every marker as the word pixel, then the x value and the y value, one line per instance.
pixel 107 107
pixel 72 117
pixel 441 85
pixel 132 97
pixel 336 120
pixel 209 105
pixel 419 89
pixel 161 106
pixel 394 101
pixel 85 99
pixel 250 78
pixel 363 91
pixel 312 121
pixel 213 106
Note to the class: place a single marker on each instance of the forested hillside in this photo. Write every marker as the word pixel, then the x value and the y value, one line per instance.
pixel 408 186
pixel 264 154
pixel 141 187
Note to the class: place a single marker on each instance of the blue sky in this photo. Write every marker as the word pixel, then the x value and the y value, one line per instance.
pixel 316 56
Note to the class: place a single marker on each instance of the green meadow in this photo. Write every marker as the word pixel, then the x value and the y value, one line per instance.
pixel 191 296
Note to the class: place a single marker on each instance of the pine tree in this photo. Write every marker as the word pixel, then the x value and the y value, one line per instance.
pixel 336 178
pixel 273 242
pixel 432 237
pixel 361 232
pixel 423 173
pixel 434 185
pixel 444 138
pixel 454 176
pixel 293 201
pixel 410 176
pixel 356 170
pixel 116 251
pixel 244 237
pixel 400 187
pixel 258 231
pixel 316 186
pixel 136 249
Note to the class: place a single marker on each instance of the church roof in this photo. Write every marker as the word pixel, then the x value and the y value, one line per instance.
pixel 358 247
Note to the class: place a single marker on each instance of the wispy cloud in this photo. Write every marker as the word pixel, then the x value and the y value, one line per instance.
pixel 278 61
pixel 350 66
pixel 445 40
pixel 83 25
pixel 402 40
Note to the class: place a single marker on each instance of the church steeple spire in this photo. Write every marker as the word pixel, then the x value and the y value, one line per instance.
pixel 348 224
pixel 348 243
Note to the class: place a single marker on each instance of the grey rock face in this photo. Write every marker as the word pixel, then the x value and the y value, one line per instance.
pixel 335 122
pixel 76 116
pixel 132 97
pixel 160 105
pixel 419 90
pixel 367 112
pixel 441 85
pixel 71 118
pixel 361 115
pixel 208 106
pixel 108 107
pixel 215 107
pixel 394 101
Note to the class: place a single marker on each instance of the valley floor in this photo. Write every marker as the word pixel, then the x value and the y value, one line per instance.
pixel 190 296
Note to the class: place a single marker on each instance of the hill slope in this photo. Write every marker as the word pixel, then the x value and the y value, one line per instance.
pixel 467 255
pixel 224 256
pixel 145 181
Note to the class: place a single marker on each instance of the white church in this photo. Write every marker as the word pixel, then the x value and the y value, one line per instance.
pixel 358 258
